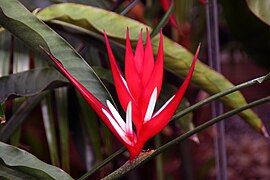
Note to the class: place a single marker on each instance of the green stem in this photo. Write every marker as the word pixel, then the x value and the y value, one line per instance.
pixel 103 163
pixel 163 21
pixel 184 112
pixel 219 95
pixel 125 169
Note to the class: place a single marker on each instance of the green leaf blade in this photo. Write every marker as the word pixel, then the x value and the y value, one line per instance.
pixel 20 22
pixel 26 163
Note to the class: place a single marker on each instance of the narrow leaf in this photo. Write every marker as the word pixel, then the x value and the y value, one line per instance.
pixel 48 120
pixel 90 121
pixel 19 116
pixel 163 21
pixel 62 116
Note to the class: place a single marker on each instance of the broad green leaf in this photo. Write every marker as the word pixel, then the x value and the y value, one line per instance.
pixel 30 82
pixel 16 163
pixel 177 59
pixel 260 9
pixel 15 18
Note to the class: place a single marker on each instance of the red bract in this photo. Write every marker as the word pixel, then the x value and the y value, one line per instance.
pixel 137 93
pixel 165 4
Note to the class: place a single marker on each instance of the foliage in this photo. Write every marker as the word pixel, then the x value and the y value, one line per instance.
pixel 53 122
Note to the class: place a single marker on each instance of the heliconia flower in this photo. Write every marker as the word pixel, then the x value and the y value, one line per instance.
pixel 137 91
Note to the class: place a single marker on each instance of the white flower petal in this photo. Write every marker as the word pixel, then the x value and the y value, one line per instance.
pixel 116 115
pixel 116 126
pixel 125 83
pixel 151 106
pixel 161 109
pixel 129 118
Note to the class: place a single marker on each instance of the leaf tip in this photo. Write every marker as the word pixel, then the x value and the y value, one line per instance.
pixel 264 132
pixel 195 138
pixel 2 120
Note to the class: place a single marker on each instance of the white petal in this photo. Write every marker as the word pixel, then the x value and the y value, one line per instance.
pixel 125 83
pixel 129 118
pixel 116 115
pixel 151 106
pixel 161 109
pixel 116 126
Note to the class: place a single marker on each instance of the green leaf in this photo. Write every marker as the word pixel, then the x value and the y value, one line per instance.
pixel 260 9
pixel 4 54
pixel 163 21
pixel 19 116
pixel 167 92
pixel 30 82
pixel 49 125
pixel 2 115
pixel 20 22
pixel 61 95
pixel 18 163
pixel 177 59
pixel 90 122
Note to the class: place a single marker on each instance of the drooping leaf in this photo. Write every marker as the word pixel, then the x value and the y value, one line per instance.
pixel 15 18
pixel 30 82
pixel 242 22
pixel 260 9
pixel 15 162
pixel 177 59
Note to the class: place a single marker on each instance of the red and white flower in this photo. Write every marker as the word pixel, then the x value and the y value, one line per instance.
pixel 137 91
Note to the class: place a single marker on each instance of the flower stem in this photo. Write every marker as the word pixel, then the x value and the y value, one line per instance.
pixel 103 163
pixel 134 164
pixel 221 94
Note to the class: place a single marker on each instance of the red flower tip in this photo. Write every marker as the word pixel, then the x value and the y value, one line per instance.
pixel 137 92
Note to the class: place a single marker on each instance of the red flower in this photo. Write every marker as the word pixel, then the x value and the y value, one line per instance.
pixel 137 93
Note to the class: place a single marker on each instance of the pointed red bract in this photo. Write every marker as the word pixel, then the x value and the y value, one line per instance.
pixel 156 78
pixel 137 92
pixel 92 100
pixel 139 55
pixel 161 118
pixel 131 73
pixel 122 88
pixel 148 61
pixel 120 85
